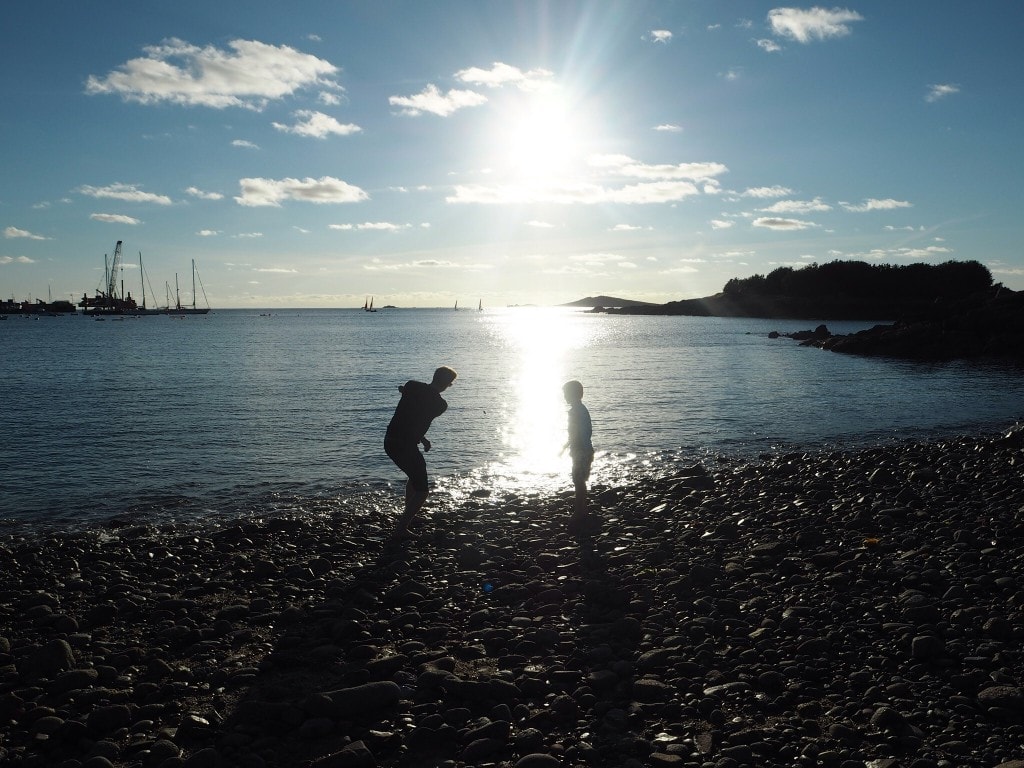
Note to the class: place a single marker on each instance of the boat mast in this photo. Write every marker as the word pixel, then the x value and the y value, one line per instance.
pixel 142 277
pixel 193 283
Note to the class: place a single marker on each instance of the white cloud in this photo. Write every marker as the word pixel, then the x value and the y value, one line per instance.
pixel 767 192
pixel 248 75
pixel 540 224
pixel 258 192
pixel 668 128
pixel 114 218
pixel 380 226
pixel 798 206
pixel 196 192
pixel 127 192
pixel 805 25
pixel 16 260
pixel 782 224
pixel 661 35
pixel 626 166
pixel 936 92
pixel 721 224
pixel 769 46
pixel 208 233
pixel 13 232
pixel 277 270
pixel 329 99
pixel 317 125
pixel 566 194
pixel 877 205
pixel 247 235
pixel 659 184
pixel 596 258
pixel 625 228
pixel 431 100
pixel 379 266
pixel 244 144
pixel 503 74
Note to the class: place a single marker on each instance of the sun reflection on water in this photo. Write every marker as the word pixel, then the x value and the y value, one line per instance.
pixel 541 344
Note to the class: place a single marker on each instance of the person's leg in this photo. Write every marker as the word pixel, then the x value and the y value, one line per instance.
pixel 580 475
pixel 414 499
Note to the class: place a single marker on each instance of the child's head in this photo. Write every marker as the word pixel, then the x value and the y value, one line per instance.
pixel 573 391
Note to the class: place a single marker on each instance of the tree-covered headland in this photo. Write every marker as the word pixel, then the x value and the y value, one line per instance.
pixel 934 312
pixel 839 290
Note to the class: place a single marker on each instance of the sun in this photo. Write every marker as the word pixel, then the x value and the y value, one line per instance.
pixel 538 138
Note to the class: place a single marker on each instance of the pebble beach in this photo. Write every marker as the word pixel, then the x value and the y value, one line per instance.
pixel 846 609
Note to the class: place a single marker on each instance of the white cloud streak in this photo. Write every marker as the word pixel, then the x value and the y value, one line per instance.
pixel 317 125
pixel 250 74
pixel 798 206
pixel 936 92
pixel 805 25
pixel 431 100
pixel 196 192
pixel 877 205
pixel 779 224
pixel 127 192
pixel 263 192
pixel 500 75
pixel 114 218
pixel 14 232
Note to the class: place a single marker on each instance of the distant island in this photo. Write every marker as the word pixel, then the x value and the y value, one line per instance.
pixel 934 312
pixel 609 302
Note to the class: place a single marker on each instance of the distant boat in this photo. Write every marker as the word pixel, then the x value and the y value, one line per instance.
pixel 480 306
pixel 456 304
pixel 113 300
pixel 186 310
pixel 368 307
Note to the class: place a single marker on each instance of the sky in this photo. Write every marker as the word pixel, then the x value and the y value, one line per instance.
pixel 315 153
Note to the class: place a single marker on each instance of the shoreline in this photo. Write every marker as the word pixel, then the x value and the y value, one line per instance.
pixel 823 608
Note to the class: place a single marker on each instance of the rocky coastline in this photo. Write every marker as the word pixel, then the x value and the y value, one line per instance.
pixel 847 609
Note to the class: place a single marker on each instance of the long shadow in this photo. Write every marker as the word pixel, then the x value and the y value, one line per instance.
pixel 494 634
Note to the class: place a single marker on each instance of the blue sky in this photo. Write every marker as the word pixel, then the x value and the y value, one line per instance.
pixel 315 153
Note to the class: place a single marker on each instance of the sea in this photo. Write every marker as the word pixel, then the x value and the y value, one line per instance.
pixel 256 412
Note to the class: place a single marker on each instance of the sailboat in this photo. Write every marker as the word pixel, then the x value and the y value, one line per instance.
pixel 186 310
pixel 369 307
pixel 480 306
pixel 456 304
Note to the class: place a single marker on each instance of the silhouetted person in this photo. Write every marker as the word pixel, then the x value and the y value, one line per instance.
pixel 419 406
pixel 581 449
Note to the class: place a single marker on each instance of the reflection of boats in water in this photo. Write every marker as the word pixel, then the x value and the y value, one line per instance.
pixel 113 300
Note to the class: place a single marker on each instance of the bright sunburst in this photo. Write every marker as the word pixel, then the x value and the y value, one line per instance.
pixel 538 138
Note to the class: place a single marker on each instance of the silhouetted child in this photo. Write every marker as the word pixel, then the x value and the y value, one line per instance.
pixel 581 449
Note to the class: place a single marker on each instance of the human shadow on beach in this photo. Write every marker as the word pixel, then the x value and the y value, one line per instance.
pixel 417 649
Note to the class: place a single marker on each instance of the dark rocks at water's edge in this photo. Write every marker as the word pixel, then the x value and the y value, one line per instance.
pixel 831 609
pixel 984 328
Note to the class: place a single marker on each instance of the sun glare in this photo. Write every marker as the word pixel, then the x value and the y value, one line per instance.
pixel 539 139
pixel 533 421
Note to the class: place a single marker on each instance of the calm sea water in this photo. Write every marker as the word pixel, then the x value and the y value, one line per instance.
pixel 240 411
